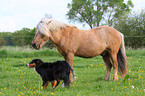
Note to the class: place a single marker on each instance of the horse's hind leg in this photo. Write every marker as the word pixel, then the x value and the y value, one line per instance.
pixel 115 65
pixel 107 61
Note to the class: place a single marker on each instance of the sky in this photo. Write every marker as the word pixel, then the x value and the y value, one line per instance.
pixel 18 14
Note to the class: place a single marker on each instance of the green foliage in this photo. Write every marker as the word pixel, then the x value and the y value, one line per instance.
pixel 18 80
pixel 133 26
pixel 7 38
pixel 1 40
pixel 93 12
pixel 3 53
pixel 126 78
pixel 23 37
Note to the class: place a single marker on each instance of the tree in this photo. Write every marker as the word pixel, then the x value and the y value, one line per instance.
pixel 132 26
pixel 7 38
pixel 93 12
pixel 23 36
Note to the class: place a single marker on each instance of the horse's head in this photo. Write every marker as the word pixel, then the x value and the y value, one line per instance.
pixel 39 39
pixel 45 29
pixel 42 33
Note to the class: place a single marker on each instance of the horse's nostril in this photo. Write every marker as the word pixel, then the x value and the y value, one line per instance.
pixel 38 46
pixel 34 45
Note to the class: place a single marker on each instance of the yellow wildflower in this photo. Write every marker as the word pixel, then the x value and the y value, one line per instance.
pixel 91 65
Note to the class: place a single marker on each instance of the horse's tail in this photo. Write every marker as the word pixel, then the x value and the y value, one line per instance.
pixel 122 58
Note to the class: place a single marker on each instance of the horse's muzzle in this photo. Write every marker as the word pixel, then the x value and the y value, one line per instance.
pixel 36 46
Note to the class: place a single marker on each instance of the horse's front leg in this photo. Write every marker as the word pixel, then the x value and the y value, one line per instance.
pixel 69 58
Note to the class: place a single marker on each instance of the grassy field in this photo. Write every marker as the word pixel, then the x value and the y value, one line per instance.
pixel 16 79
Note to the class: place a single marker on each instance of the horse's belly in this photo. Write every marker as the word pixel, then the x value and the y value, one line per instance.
pixel 88 52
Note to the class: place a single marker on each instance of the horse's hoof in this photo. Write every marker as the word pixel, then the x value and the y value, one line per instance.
pixel 107 78
pixel 71 79
pixel 115 79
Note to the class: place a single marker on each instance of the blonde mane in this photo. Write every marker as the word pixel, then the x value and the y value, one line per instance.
pixel 45 26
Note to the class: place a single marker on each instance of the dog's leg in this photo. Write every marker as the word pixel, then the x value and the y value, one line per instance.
pixel 58 81
pixel 66 82
pixel 45 85
pixel 53 84
pixel 63 85
pixel 41 77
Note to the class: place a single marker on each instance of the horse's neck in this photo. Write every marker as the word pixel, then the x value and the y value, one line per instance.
pixel 55 37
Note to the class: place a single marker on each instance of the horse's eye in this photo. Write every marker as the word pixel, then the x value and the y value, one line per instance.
pixel 42 35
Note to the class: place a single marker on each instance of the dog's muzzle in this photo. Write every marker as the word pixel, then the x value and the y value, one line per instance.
pixel 28 65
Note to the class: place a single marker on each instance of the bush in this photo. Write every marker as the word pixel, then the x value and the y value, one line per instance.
pixel 3 53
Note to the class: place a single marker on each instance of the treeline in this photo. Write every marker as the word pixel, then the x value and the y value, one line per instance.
pixel 22 37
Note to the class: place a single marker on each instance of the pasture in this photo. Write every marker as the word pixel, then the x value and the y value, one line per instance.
pixel 18 80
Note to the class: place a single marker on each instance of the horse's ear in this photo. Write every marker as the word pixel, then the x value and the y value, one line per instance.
pixel 48 22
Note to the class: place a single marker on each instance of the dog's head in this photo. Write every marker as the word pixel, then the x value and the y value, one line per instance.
pixel 35 63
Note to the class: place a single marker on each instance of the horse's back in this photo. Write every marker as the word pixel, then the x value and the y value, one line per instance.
pixel 111 35
pixel 95 41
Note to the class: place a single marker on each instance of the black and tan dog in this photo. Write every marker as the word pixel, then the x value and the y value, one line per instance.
pixel 52 72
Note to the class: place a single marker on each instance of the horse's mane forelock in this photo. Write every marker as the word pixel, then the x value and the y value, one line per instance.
pixel 45 26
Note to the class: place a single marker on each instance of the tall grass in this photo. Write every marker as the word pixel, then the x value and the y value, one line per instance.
pixel 26 51
pixel 20 52
pixel 135 52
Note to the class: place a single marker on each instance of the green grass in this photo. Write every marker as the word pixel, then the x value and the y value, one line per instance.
pixel 18 80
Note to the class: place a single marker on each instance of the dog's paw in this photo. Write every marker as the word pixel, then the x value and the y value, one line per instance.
pixel 63 85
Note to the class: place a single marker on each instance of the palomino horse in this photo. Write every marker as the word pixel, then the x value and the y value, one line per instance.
pixel 71 41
